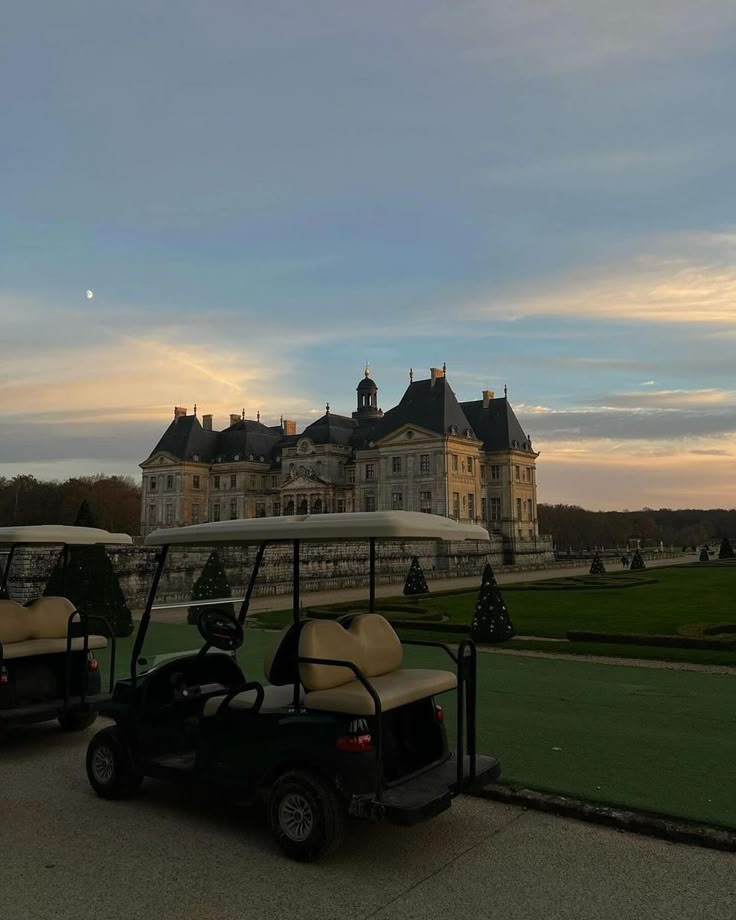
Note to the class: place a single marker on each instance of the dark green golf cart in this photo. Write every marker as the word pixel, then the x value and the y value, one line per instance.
pixel 338 727
pixel 48 668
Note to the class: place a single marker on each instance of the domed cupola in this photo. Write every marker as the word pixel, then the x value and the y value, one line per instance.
pixel 367 397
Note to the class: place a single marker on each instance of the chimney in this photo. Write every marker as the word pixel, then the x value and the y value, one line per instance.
pixel 289 426
pixel 179 411
pixel 234 419
pixel 207 422
pixel 435 373
pixel 487 397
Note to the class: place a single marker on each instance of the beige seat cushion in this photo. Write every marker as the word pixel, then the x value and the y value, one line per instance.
pixel 274 698
pixel 380 647
pixel 50 617
pixel 394 690
pixel 327 639
pixel 14 622
pixel 30 647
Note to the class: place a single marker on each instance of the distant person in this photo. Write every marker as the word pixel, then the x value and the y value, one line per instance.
pixel 625 561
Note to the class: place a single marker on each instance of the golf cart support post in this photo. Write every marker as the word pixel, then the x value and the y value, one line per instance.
pixel 366 526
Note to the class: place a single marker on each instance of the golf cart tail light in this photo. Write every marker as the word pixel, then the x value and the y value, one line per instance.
pixel 92 664
pixel 354 744
pixel 4 675
pixel 439 713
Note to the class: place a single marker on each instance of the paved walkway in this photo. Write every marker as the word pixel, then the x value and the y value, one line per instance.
pixel 172 854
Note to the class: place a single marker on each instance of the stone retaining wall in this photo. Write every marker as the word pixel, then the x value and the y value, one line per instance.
pixel 324 567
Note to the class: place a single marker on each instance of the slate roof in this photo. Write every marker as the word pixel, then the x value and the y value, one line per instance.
pixel 496 426
pixel 427 404
pixel 186 439
pixel 331 429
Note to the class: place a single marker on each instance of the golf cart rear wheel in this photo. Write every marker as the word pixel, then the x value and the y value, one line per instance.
pixel 78 720
pixel 110 768
pixel 307 818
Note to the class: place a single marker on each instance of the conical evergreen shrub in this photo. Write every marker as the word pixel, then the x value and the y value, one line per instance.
pixel 704 555
pixel 597 567
pixel 211 584
pixel 85 515
pixel 726 550
pixel 415 582
pixel 636 561
pixel 91 584
pixel 491 620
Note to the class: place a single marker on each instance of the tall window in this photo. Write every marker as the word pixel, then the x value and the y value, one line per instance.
pixel 260 509
pixel 274 482
pixel 456 504
pixel 454 463
pixel 495 471
pixel 495 509
pixel 482 471
pixel 518 509
pixel 233 510
pixel 217 482
pixel 370 502
pixel 195 514
pixel 154 483
pixel 370 471
pixel 516 473
pixel 169 482
pixel 470 464
pixel 396 464
pixel 151 514
pixel 169 514
pixel 424 463
pixel 425 502
pixel 483 507
pixel 529 473
pixel 471 507
pixel 277 509
pixel 216 511
pixel 341 506
pixel 233 481
pixel 351 474
pixel 397 501
pixel 195 481
pixel 252 482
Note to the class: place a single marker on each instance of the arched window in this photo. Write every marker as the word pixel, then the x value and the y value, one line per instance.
pixel 317 506
pixel 290 507
pixel 303 507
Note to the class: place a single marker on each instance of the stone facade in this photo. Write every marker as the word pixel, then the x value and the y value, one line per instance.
pixel 469 461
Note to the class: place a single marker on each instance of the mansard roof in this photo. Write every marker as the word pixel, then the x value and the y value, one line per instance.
pixel 496 425
pixel 429 404
pixel 185 439
pixel 331 429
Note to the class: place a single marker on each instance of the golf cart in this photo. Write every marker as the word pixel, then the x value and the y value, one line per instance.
pixel 338 727
pixel 47 665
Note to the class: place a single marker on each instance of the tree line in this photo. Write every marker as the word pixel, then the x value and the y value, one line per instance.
pixel 111 502
pixel 579 528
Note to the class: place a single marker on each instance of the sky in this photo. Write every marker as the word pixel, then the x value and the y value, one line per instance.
pixel 265 195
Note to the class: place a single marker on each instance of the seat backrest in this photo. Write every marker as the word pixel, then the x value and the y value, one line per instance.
pixel 280 664
pixel 49 617
pixel 14 622
pixel 369 642
pixel 381 650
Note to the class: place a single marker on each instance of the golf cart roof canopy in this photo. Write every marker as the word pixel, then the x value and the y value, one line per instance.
pixel 359 525
pixel 60 533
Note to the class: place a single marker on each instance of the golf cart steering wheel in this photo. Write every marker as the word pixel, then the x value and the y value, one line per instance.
pixel 220 629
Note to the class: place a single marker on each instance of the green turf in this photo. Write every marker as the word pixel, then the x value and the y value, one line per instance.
pixel 662 741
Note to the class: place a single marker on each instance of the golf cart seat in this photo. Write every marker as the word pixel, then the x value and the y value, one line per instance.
pixel 371 643
pixel 39 629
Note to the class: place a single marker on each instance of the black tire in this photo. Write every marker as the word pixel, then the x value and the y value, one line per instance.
pixel 110 767
pixel 307 819
pixel 77 720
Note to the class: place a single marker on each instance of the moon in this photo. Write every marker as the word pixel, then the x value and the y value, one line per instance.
pixel 89 295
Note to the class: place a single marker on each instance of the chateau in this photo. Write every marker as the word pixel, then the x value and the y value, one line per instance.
pixel 468 460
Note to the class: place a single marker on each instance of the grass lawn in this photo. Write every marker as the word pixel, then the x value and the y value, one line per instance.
pixel 662 741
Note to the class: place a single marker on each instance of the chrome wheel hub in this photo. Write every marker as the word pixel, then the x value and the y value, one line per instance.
pixel 296 817
pixel 103 765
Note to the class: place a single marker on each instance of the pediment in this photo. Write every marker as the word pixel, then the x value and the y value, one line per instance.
pixel 302 483
pixel 406 434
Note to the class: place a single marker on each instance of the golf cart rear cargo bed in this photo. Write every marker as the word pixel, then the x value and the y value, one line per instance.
pixel 54 705
pixel 430 793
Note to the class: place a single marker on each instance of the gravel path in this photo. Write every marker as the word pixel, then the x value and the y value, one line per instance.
pixel 608 659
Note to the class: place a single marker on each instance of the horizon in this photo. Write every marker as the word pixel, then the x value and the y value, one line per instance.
pixel 537 196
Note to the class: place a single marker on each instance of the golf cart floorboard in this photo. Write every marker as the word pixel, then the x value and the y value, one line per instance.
pixel 430 793
pixel 182 761
pixel 52 707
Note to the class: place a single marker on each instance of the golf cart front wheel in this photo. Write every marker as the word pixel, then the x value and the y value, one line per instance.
pixel 110 768
pixel 78 720
pixel 307 818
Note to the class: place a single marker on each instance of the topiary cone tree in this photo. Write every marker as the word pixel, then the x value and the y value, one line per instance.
pixel 704 555
pixel 211 584
pixel 415 582
pixel 85 515
pixel 597 567
pixel 91 584
pixel 636 561
pixel 726 550
pixel 491 620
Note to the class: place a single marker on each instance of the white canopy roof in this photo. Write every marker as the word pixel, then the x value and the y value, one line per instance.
pixel 61 533
pixel 360 525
